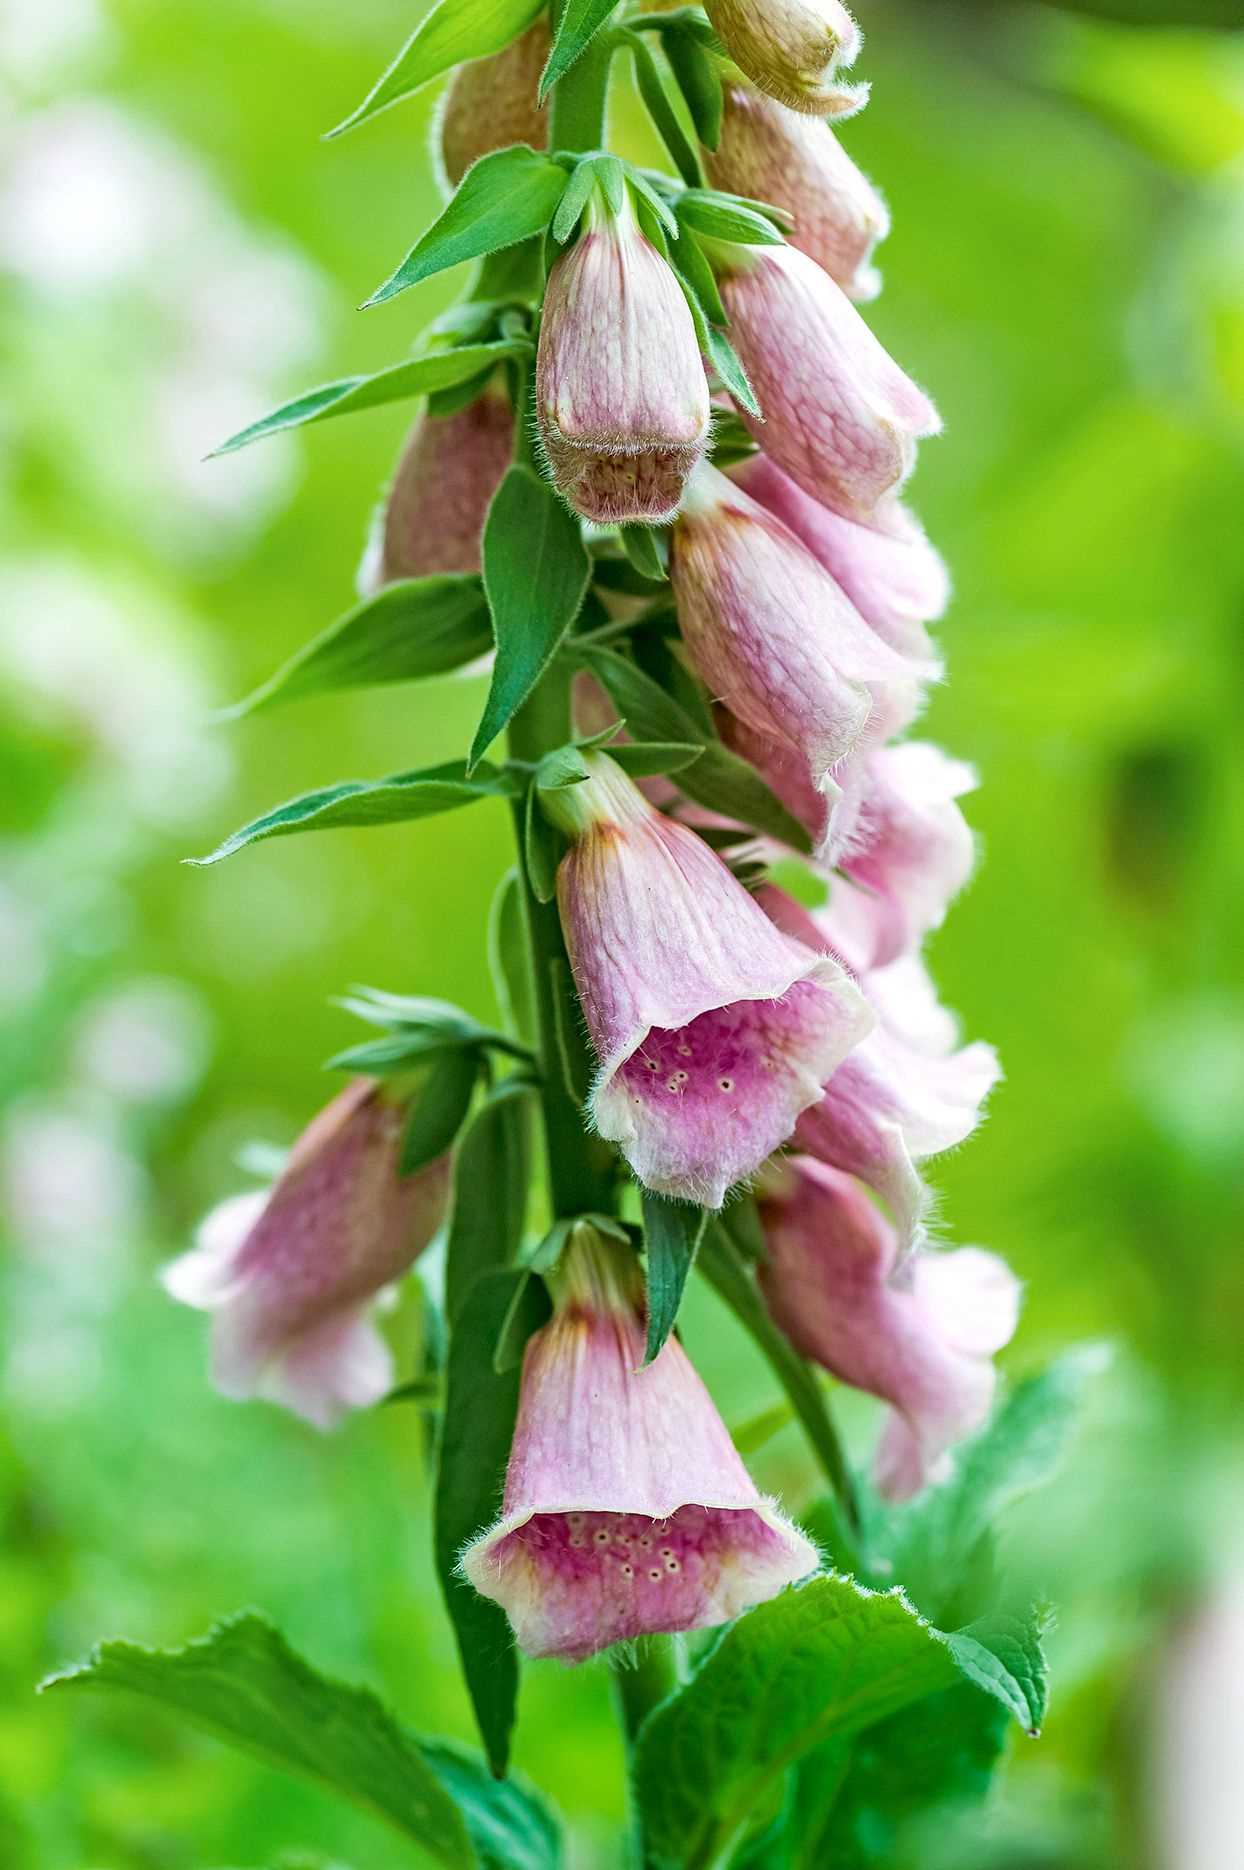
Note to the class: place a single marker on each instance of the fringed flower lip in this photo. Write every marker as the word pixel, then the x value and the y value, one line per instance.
pixel 713 1029
pixel 627 1508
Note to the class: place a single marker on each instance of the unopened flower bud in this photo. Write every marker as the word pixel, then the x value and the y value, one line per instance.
pixel 894 577
pixel 627 1510
pixel 492 102
pixel 713 1030
pixel 797 163
pixel 774 638
pixel 290 1275
pixel 790 48
pixel 621 396
pixel 838 414
pixel 432 518
pixel 921 1338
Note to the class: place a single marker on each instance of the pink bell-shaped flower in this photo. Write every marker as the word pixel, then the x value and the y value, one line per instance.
pixel 897 581
pixel 627 1509
pixel 775 640
pixel 906 1092
pixel 797 163
pixel 839 416
pixel 492 102
pixel 290 1275
pixel 790 48
pixel 920 1337
pixel 622 400
pixel 432 517
pixel 712 1029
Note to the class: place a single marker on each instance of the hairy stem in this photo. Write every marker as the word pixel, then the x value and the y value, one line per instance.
pixel 647 1675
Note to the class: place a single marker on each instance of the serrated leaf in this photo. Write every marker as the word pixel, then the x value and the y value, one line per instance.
pixel 397 799
pixel 536 572
pixel 1003 1655
pixel 673 1231
pixel 477 1429
pixel 419 376
pixel 491 1173
pixel 243 1684
pixel 579 23
pixel 510 1825
pixel 664 117
pixel 507 196
pixel 415 628
pixel 439 1111
pixel 454 31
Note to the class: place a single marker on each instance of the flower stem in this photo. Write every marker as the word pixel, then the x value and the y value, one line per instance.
pixel 644 1678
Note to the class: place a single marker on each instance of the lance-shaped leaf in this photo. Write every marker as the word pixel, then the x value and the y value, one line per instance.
pixel 453 32
pixel 657 103
pixel 403 796
pixel 578 24
pixel 536 571
pixel 491 1171
pixel 478 1426
pixel 673 1231
pixel 503 198
pixel 419 376
pixel 719 779
pixel 415 628
pixel 825 1660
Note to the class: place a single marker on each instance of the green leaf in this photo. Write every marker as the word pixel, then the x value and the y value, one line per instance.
pixel 542 848
pixel 567 1025
pixel 477 1428
pixel 491 1173
pixel 644 758
pixel 729 1276
pixel 725 362
pixel 417 627
pixel 657 103
pixel 673 1231
pixel 719 779
pixel 439 1111
pixel 419 376
pixel 697 75
pixel 454 31
pixel 401 797
pixel 510 1825
pixel 821 1661
pixel 507 196
pixel 243 1684
pixel 647 548
pixel 699 281
pixel 536 571
pixel 507 957
pixel 722 217
pixel 1002 1655
pixel 579 23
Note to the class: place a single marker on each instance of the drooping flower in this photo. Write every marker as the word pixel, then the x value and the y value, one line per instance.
pixel 797 163
pixel 712 1029
pixel 622 400
pixel 432 517
pixel 492 102
pixel 775 640
pixel 839 416
pixel 290 1275
pixel 892 574
pixel 627 1509
pixel 906 1092
pixel 790 48
pixel 920 1337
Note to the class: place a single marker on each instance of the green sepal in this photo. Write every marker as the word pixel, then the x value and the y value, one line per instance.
pixel 657 103
pixel 439 1110
pixel 673 1231
pixel 648 549
pixel 492 1171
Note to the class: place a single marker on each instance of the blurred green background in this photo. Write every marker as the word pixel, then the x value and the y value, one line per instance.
pixel 178 252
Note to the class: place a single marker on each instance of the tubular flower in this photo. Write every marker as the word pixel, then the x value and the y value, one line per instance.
pixel 913 849
pixel 897 581
pixel 797 163
pixel 904 1093
pixel 774 638
pixel 921 1339
pixel 621 397
pixel 712 1029
pixel 291 1274
pixel 790 48
pixel 838 414
pixel 491 103
pixel 627 1509
pixel 432 517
